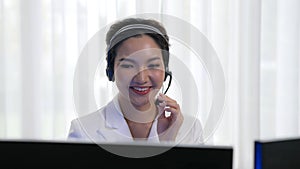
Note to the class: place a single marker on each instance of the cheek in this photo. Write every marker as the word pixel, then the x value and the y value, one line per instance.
pixel 159 76
pixel 123 79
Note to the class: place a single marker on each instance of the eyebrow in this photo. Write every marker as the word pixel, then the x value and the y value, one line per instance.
pixel 154 58
pixel 133 61
pixel 126 59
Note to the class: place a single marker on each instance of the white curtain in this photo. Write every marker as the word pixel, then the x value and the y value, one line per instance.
pixel 257 43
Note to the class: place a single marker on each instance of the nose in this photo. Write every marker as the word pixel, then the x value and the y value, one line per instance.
pixel 142 76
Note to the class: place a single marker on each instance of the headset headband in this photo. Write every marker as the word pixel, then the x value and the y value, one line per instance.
pixel 150 28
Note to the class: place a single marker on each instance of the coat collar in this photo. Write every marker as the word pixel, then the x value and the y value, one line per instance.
pixel 115 120
pixel 113 116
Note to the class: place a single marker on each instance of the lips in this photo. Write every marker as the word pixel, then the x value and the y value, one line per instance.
pixel 141 90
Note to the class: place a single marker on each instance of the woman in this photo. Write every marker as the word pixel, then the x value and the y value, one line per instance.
pixel 137 61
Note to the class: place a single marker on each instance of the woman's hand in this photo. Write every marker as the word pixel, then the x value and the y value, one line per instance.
pixel 168 126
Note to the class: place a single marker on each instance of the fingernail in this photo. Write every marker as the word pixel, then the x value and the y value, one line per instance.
pixel 163 104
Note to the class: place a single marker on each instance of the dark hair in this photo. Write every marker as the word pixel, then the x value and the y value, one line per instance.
pixel 117 35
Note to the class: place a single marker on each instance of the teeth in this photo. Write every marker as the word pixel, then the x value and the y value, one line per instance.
pixel 140 89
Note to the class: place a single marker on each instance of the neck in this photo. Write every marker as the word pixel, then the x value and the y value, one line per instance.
pixel 139 131
pixel 135 114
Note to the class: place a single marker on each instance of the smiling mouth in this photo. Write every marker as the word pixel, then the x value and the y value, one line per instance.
pixel 141 90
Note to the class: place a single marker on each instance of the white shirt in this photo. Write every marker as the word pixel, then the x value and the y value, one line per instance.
pixel 108 124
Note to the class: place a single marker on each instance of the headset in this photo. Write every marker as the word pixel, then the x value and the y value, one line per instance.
pixel 129 31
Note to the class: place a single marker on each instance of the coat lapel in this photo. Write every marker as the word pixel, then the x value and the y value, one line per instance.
pixel 116 128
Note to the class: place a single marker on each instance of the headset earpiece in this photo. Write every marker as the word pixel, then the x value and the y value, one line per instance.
pixel 110 74
pixel 109 70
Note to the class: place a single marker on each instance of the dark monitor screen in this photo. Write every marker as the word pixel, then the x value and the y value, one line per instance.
pixel 277 154
pixel 41 154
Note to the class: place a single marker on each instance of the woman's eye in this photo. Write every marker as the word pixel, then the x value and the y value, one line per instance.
pixel 154 65
pixel 126 66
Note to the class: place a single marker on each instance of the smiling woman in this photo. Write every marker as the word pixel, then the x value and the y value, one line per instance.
pixel 138 63
pixel 139 68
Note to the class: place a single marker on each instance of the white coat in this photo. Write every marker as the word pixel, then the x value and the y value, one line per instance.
pixel 108 124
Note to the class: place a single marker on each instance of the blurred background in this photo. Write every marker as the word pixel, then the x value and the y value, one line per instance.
pixel 256 41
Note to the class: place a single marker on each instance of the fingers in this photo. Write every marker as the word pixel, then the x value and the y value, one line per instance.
pixel 169 105
pixel 167 101
pixel 168 126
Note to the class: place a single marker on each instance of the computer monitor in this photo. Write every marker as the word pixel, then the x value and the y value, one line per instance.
pixel 41 154
pixel 277 154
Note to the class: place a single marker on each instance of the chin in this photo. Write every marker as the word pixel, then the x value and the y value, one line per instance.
pixel 140 103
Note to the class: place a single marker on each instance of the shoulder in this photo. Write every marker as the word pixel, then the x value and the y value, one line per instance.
pixel 81 126
pixel 95 116
pixel 191 121
pixel 191 130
